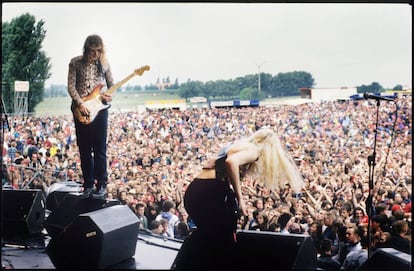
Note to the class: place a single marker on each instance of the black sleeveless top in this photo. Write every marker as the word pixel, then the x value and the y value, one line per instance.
pixel 220 166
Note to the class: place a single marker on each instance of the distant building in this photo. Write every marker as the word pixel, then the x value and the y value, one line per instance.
pixel 235 103
pixel 327 94
pixel 163 85
pixel 176 104
pixel 400 93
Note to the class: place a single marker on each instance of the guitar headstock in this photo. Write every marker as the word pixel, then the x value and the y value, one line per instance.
pixel 141 70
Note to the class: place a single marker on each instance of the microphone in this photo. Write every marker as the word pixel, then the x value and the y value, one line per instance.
pixel 378 98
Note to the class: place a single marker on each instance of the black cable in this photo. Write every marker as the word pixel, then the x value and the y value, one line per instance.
pixel 392 140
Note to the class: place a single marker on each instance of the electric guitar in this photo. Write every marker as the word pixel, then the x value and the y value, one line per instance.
pixel 93 101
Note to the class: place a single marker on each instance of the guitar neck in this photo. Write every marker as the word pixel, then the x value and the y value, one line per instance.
pixel 112 89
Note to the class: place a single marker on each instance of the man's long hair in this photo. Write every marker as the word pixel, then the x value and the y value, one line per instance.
pixel 274 167
pixel 93 41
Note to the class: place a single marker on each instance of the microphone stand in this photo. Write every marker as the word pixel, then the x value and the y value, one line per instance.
pixel 35 175
pixel 371 165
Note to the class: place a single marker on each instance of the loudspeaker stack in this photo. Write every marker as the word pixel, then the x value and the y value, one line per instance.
pixel 275 251
pixel 70 208
pixel 59 191
pixel 90 233
pixel 385 259
pixel 23 214
pixel 97 239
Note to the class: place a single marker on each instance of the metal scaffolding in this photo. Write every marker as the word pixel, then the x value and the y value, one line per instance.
pixel 21 91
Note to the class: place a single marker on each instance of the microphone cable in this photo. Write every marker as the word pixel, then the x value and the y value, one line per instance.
pixel 391 142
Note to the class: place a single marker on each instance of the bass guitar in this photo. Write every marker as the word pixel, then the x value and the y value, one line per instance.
pixel 93 101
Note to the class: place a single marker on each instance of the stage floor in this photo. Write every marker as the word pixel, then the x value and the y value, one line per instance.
pixel 152 252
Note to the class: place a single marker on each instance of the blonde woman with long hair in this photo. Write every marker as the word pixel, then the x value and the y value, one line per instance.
pixel 214 198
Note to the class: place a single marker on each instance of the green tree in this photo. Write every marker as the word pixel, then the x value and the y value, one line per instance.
pixel 283 84
pixel 248 81
pixel 176 84
pixel 219 89
pixel 251 94
pixel 398 87
pixel 288 84
pixel 211 89
pixel 265 82
pixel 230 89
pixel 23 59
pixel 375 87
pixel 191 89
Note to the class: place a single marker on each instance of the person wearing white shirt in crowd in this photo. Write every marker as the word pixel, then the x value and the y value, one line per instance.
pixel 167 214
pixel 356 255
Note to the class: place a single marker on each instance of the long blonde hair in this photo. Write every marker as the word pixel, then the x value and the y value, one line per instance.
pixel 274 167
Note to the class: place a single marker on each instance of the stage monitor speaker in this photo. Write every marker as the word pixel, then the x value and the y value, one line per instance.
pixel 58 192
pixel 96 239
pixel 387 259
pixel 69 209
pixel 23 213
pixel 259 250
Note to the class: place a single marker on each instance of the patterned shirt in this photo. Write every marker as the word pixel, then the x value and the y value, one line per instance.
pixel 83 77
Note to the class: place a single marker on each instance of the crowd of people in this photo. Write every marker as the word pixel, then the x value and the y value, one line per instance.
pixel 154 154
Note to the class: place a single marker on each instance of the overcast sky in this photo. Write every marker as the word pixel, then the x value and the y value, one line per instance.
pixel 341 45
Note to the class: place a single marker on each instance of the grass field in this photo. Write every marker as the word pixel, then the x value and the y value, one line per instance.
pixel 124 101
pixel 127 101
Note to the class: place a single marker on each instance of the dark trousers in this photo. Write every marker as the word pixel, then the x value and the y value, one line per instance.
pixel 204 251
pixel 211 205
pixel 212 245
pixel 91 140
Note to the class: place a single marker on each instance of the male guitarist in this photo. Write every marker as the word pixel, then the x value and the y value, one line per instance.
pixel 85 73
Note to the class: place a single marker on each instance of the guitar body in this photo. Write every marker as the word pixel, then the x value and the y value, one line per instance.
pixel 94 104
pixel 93 101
